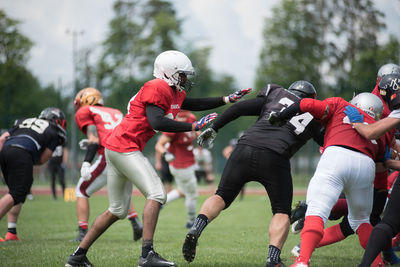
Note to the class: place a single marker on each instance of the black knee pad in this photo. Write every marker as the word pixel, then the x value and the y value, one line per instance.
pixel 345 227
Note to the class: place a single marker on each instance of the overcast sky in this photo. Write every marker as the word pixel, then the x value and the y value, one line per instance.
pixel 232 27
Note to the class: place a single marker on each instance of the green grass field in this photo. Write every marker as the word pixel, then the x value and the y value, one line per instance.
pixel 238 237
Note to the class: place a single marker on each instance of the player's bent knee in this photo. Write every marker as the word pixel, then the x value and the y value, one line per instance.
pixel 121 213
pixel 158 196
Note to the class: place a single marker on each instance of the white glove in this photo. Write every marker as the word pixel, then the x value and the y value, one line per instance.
pixel 169 157
pixel 85 171
pixel 83 144
pixel 206 138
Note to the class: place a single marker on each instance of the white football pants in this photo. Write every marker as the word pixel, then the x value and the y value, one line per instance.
pixel 125 169
pixel 187 183
pixel 341 169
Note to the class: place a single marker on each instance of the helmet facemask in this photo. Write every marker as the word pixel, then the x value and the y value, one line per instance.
pixel 182 83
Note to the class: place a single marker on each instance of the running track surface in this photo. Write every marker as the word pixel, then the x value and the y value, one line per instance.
pixel 42 190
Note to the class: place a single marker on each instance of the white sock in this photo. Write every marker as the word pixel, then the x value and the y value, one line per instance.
pixel 12 225
pixel 172 195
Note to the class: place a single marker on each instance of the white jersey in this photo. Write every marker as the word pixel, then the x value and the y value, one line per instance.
pixel 203 158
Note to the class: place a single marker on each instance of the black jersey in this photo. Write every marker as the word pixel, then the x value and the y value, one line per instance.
pixel 285 140
pixel 34 135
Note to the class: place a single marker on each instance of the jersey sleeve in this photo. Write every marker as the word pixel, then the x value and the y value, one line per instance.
pixel 319 109
pixel 157 94
pixel 83 118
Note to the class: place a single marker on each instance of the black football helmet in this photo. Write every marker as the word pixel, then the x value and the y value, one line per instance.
pixel 303 89
pixel 54 115
pixel 388 85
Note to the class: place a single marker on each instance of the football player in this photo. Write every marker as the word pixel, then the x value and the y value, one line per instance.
pixel 262 154
pixel 390 225
pixel 181 160
pixel 96 121
pixel 347 164
pixel 30 142
pixel 152 109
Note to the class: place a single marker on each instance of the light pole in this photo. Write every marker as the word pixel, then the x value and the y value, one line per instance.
pixel 74 130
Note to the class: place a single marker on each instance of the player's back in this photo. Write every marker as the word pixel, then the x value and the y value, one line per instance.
pixel 287 139
pixel 104 118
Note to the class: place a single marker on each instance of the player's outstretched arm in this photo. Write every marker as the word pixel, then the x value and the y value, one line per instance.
pixel 375 130
pixel 206 103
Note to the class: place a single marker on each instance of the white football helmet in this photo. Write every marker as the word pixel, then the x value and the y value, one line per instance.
pixel 173 67
pixel 388 69
pixel 369 103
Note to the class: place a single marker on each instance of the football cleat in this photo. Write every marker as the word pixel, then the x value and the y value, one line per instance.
pixel 299 263
pixel 78 261
pixel 81 234
pixel 297 226
pixel 189 246
pixel 298 212
pixel 296 250
pixel 11 237
pixel 154 260
pixel 2 240
pixel 269 263
pixel 137 228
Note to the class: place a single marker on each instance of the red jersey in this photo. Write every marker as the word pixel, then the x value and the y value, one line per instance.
pixel 338 130
pixel 104 118
pixel 181 144
pixel 135 130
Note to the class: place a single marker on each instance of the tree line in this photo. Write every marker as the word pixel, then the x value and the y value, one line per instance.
pixel 333 44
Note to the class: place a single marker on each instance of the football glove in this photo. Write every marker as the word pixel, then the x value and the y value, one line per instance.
pixel 388 154
pixel 353 114
pixel 232 98
pixel 197 125
pixel 83 144
pixel 85 171
pixel 206 138
pixel 169 157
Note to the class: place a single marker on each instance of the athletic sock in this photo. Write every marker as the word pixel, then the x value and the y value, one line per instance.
pixel 274 254
pixel 200 223
pixel 12 227
pixel 172 195
pixel 331 235
pixel 80 251
pixel 147 246
pixel 311 236
pixel 132 215
pixel 83 225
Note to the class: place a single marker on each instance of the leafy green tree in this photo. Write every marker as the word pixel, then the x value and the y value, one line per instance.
pixel 16 81
pixel 310 39
pixel 293 49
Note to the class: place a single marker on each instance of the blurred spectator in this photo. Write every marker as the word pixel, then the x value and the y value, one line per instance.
pixel 56 167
